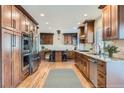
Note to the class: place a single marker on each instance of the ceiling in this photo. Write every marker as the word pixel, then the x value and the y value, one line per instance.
pixel 62 17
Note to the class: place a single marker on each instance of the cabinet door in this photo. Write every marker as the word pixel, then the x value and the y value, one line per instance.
pixel 65 39
pixel 15 18
pixel 27 25
pixel 90 30
pixel 86 68
pixel 6 58
pixel 22 23
pixel 16 65
pixel 6 16
pixel 114 21
pixel 106 23
pixel 69 39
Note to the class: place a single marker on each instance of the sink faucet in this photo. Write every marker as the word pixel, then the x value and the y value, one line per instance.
pixel 96 49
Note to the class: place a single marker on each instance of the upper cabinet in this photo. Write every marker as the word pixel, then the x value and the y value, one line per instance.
pixel 46 38
pixel 113 22
pixel 70 38
pixel 23 22
pixel 81 34
pixel 16 18
pixel 86 34
pixel 7 16
pixel 89 31
pixel 106 22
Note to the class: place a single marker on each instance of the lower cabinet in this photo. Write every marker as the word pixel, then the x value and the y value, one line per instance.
pixel 82 63
pixel 11 61
pixel 101 74
pixel 94 70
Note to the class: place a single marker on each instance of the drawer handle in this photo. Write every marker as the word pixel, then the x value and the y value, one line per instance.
pixel 13 23
pixel 101 76
pixel 101 65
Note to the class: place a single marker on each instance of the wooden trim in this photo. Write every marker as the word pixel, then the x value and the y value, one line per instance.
pixel 101 6
pixel 69 33
pixel 46 33
pixel 80 27
pixel 88 21
pixel 0 16
pixel 0 47
pixel 26 13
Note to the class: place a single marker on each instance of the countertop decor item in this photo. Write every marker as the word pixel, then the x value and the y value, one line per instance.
pixel 111 49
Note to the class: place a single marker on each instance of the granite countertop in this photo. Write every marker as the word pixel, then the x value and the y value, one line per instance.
pixel 100 57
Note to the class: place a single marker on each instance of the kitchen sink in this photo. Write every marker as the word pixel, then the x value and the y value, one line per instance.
pixel 84 50
pixel 92 53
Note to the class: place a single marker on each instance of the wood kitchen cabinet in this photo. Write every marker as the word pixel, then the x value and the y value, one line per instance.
pixel 13 22
pixel 6 58
pixel 81 34
pixel 16 65
pixel 113 22
pixel 46 38
pixel 27 25
pixel 82 63
pixel 106 22
pixel 6 16
pixel 10 17
pixel 70 54
pixel 58 56
pixel 70 38
pixel 67 39
pixel 89 31
pixel 16 19
pixel 101 74
pixel 11 52
pixel 22 22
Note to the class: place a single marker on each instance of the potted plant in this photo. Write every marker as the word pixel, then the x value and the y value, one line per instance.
pixel 111 49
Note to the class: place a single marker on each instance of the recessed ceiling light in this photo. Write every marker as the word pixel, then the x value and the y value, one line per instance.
pixel 42 14
pixel 85 15
pixel 47 23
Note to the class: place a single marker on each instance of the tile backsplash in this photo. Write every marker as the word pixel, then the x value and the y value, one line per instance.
pixel 120 45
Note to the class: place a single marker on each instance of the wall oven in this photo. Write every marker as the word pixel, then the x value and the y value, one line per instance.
pixel 26 54
pixel 26 43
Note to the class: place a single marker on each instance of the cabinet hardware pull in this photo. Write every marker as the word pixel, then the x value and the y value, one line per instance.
pixel 101 76
pixel 13 23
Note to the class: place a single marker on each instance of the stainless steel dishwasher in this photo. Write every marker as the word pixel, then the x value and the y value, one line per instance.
pixel 93 71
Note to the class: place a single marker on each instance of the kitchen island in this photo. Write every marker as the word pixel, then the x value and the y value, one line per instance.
pixel 101 71
pixel 57 55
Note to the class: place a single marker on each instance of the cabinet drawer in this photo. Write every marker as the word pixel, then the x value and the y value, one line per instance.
pixel 102 66
pixel 101 79
pixel 101 85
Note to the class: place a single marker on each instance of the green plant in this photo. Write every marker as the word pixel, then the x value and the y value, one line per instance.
pixel 111 49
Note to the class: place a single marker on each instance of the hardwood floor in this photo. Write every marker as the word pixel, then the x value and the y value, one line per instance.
pixel 37 79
